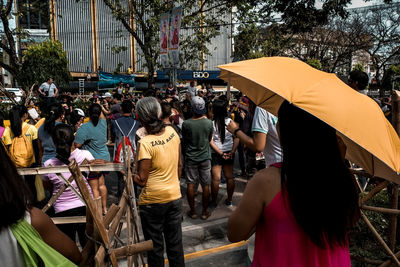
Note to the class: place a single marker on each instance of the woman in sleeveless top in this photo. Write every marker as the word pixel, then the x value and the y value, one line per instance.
pixel 294 207
pixel 16 204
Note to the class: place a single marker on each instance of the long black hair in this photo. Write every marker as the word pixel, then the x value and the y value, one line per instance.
pixel 16 114
pixel 63 137
pixel 15 196
pixel 1 119
pixel 320 188
pixel 220 112
pixel 55 112
pixel 94 113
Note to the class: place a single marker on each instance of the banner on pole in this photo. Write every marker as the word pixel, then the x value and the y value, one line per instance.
pixel 176 17
pixel 164 26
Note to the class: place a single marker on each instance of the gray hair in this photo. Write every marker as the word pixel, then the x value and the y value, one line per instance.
pixel 149 113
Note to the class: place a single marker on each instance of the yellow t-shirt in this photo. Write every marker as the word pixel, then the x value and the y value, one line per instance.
pixel 31 134
pixel 163 183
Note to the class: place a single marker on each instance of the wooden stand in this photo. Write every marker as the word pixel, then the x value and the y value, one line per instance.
pixel 102 231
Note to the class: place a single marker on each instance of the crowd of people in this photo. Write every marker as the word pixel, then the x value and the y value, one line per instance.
pixel 286 203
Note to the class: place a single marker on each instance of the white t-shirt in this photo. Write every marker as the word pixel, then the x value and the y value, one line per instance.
pixel 265 122
pixel 192 91
pixel 48 88
pixel 11 253
pixel 228 142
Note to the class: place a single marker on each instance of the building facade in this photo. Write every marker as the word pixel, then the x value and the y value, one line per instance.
pixel 93 39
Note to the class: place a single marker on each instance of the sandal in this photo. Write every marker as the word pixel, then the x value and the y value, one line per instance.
pixel 192 215
pixel 206 215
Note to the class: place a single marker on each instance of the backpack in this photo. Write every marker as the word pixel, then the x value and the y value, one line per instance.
pixel 21 150
pixel 119 155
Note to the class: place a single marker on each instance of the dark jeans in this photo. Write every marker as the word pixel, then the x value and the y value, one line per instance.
pixel 163 219
pixel 70 229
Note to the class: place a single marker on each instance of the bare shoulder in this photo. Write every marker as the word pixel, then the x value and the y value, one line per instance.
pixel 267 181
pixel 39 219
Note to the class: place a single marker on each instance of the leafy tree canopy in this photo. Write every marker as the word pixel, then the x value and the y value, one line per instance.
pixel 43 60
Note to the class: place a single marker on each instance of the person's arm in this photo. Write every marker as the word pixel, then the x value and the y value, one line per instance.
pixel 80 137
pixel 53 236
pixel 40 150
pixel 257 143
pixel 36 151
pixel 235 145
pixel 143 172
pixel 180 164
pixel 55 91
pixel 215 148
pixel 40 90
pixel 259 192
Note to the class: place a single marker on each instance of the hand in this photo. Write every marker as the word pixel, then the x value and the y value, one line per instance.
pixel 242 114
pixel 232 126
pixel 227 156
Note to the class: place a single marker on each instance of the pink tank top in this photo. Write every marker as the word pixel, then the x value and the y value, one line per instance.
pixel 281 242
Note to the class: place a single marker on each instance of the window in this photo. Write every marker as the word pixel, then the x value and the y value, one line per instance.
pixel 34 14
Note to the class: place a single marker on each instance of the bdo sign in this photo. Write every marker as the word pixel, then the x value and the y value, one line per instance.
pixel 200 75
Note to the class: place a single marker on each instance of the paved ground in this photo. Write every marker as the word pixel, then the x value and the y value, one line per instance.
pixel 205 241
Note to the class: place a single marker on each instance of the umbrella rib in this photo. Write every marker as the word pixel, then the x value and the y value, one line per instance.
pixel 267 99
pixel 373 166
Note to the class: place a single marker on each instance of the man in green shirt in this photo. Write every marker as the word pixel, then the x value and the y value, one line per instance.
pixel 197 133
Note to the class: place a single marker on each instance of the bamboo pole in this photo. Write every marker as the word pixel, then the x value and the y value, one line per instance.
pixel 394 188
pixel 57 195
pixel 380 239
pixel 389 261
pixel 110 167
pixel 101 253
pixel 133 249
pixel 98 221
pixel 366 260
pixel 381 210
pixel 374 191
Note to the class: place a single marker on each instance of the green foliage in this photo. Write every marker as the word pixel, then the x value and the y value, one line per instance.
pixel 390 73
pixel 362 242
pixel 267 27
pixel 315 63
pixel 359 67
pixel 84 105
pixel 42 61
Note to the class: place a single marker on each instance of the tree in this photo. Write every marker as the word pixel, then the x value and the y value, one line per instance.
pixel 387 80
pixel 267 28
pixel 333 44
pixel 381 28
pixel 204 17
pixel 7 44
pixel 42 61
pixel 315 63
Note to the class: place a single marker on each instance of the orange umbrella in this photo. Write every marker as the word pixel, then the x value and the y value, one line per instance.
pixel 371 141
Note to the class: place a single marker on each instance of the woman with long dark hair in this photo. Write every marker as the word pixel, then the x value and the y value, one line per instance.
pixel 224 145
pixel 55 116
pixel 20 217
pixel 26 152
pixel 92 136
pixel 301 213
pixel 159 169
pixel 68 204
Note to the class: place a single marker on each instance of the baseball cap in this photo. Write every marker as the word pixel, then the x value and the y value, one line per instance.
pixel 198 105
pixel 107 94
pixel 80 112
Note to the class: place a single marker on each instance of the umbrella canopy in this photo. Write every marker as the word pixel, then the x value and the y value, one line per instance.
pixel 371 141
